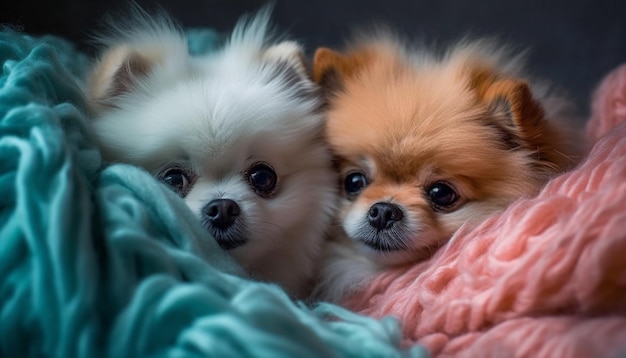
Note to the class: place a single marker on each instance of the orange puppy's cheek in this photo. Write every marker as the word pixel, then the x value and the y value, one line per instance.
pixel 351 210
pixel 418 228
pixel 418 214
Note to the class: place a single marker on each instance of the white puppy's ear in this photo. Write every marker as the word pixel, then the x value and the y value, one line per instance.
pixel 117 73
pixel 289 53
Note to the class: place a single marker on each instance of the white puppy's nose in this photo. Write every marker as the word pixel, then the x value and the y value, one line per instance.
pixel 221 213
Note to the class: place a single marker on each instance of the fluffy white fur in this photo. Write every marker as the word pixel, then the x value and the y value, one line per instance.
pixel 216 116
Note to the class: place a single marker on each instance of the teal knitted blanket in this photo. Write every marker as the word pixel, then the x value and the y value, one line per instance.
pixel 100 261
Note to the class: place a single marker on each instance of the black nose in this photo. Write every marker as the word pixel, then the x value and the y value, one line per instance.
pixel 382 215
pixel 221 213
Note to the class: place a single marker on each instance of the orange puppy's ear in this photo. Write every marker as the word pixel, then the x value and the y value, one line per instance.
pixel 331 68
pixel 513 99
pixel 117 73
pixel 328 67
pixel 509 101
pixel 522 121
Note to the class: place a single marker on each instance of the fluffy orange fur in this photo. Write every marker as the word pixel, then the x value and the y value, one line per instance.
pixel 407 119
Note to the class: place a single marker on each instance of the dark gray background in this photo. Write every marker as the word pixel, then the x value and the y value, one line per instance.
pixel 571 43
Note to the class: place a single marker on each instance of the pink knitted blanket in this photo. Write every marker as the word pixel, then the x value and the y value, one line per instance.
pixel 546 278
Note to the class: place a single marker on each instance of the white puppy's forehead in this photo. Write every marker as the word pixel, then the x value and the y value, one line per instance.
pixel 217 117
pixel 222 122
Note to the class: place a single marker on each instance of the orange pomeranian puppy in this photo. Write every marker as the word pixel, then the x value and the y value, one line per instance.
pixel 427 142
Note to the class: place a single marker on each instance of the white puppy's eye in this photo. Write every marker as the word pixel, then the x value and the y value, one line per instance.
pixel 354 183
pixel 262 178
pixel 442 196
pixel 177 179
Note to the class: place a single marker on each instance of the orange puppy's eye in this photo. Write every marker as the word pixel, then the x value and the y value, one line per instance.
pixel 442 195
pixel 354 183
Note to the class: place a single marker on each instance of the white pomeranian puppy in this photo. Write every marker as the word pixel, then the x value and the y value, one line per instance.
pixel 238 133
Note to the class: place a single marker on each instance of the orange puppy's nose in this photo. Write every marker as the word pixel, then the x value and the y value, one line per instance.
pixel 382 215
